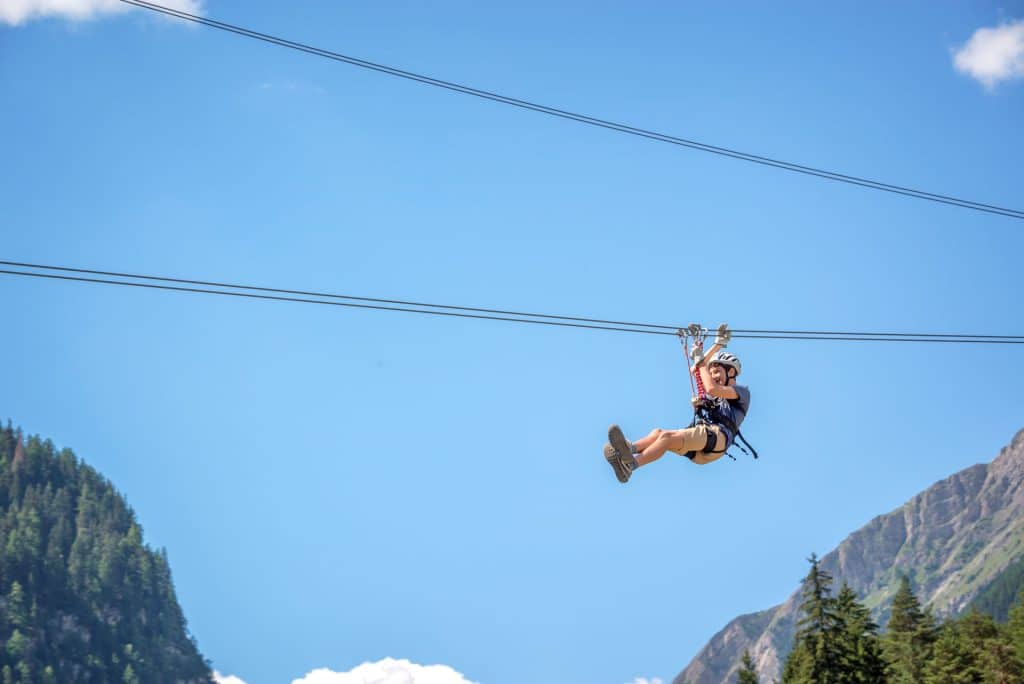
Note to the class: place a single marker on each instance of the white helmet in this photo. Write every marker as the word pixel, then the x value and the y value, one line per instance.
pixel 726 359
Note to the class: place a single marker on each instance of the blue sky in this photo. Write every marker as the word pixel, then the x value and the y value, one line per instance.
pixel 336 487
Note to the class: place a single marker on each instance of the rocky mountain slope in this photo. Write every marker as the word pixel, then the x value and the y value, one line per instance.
pixel 952 540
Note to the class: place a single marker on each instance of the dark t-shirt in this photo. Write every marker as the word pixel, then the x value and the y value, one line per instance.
pixel 733 409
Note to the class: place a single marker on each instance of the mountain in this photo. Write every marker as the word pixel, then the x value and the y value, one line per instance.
pixel 956 539
pixel 82 599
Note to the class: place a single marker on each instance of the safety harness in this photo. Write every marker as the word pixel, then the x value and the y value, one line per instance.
pixel 705 409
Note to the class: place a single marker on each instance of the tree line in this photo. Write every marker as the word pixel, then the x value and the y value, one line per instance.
pixel 837 642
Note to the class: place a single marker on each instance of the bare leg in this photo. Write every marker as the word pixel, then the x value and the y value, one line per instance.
pixel 656 447
pixel 690 439
pixel 647 441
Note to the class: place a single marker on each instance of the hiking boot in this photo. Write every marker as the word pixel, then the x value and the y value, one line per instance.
pixel 622 471
pixel 623 450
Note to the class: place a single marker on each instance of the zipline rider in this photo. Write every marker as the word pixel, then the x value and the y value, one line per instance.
pixel 719 409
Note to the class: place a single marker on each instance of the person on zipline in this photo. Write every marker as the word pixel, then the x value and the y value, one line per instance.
pixel 716 422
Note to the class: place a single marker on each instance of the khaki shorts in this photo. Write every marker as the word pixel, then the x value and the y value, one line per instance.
pixel 696 437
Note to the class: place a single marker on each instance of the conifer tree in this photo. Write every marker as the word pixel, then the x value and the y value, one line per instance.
pixel 816 656
pixel 1015 627
pixel 973 649
pixel 951 661
pixel 992 656
pixel 1000 664
pixel 860 651
pixel 747 673
pixel 909 637
pixel 798 666
pixel 17 610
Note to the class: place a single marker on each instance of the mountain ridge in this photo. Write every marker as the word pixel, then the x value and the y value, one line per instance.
pixel 952 540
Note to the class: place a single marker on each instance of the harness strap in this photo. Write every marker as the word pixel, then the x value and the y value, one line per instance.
pixel 709 442
pixel 739 435
pixel 703 414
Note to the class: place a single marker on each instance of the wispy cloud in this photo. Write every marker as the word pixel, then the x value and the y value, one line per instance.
pixel 645 680
pixel 16 12
pixel 993 54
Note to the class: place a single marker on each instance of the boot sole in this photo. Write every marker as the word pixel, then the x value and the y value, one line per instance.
pixel 620 445
pixel 612 457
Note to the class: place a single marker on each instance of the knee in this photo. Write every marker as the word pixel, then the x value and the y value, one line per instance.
pixel 653 434
pixel 664 435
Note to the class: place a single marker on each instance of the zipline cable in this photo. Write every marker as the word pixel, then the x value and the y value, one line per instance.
pixel 328 303
pixel 332 296
pixel 480 313
pixel 739 331
pixel 581 118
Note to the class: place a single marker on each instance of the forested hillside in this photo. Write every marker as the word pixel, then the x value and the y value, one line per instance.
pixel 82 598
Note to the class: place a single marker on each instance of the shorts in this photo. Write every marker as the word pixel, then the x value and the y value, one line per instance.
pixel 702 438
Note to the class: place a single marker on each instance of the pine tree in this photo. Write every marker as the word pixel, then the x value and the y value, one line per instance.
pixel 17 645
pixel 908 640
pixel 860 651
pixel 951 661
pixel 747 673
pixel 798 666
pixel 972 649
pixel 816 656
pixel 992 656
pixel 17 608
pixel 1015 627
pixel 1000 664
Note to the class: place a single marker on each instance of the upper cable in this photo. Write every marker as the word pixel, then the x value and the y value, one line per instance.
pixel 584 118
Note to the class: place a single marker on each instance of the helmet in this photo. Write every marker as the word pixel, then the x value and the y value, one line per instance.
pixel 726 359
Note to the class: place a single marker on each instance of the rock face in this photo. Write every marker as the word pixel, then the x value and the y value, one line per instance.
pixel 952 540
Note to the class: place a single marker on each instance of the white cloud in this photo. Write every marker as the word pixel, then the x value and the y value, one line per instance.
pixel 993 54
pixel 15 12
pixel 645 680
pixel 387 671
pixel 228 679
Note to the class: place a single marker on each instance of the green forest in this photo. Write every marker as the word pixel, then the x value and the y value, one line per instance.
pixel 82 598
pixel 838 643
